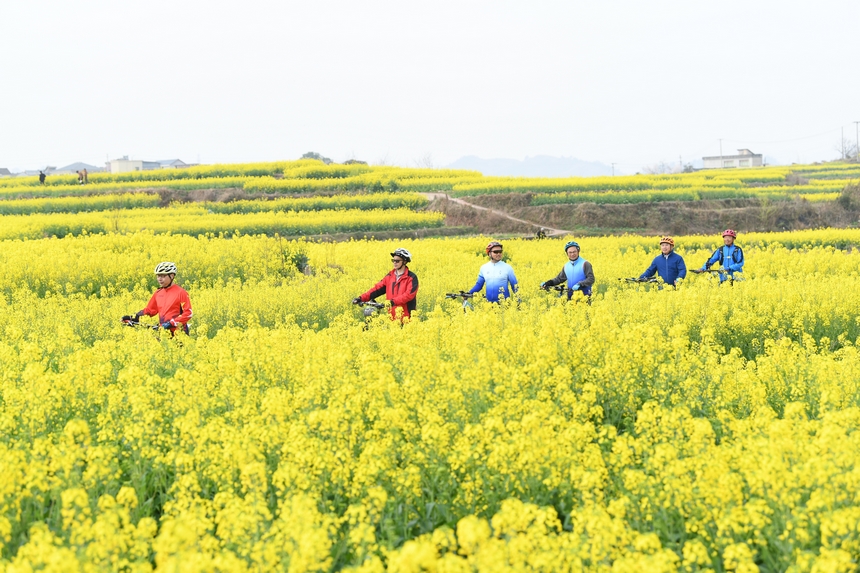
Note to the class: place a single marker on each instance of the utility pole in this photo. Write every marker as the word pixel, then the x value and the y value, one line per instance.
pixel 613 170
pixel 856 140
pixel 680 164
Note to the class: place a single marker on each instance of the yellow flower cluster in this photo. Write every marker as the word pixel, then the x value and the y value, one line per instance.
pixel 197 219
pixel 70 190
pixel 320 203
pixel 71 204
pixel 78 204
pixel 760 182
pixel 195 172
pixel 826 190
pixel 708 428
pixel 277 177
pixel 311 176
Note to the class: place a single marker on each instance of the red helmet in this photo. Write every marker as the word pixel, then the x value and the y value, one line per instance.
pixel 491 245
pixel 730 233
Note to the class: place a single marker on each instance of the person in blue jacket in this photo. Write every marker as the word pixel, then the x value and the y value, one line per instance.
pixel 668 264
pixel 577 272
pixel 496 275
pixel 729 256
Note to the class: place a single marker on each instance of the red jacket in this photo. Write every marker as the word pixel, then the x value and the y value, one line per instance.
pixel 400 291
pixel 171 303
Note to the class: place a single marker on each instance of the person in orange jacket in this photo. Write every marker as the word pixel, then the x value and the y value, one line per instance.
pixel 170 302
pixel 400 286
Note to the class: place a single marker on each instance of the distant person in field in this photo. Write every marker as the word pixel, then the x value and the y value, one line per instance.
pixel 400 286
pixel 42 177
pixel 80 177
pixel 577 273
pixel 84 173
pixel 497 275
pixel 669 265
pixel 729 256
pixel 170 302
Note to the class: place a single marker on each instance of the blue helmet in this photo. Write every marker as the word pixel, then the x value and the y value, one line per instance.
pixel 571 244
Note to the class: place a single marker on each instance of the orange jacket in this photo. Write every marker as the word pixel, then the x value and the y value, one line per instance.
pixel 171 303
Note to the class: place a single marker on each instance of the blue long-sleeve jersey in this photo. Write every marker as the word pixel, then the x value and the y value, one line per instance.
pixel 497 277
pixel 669 268
pixel 731 258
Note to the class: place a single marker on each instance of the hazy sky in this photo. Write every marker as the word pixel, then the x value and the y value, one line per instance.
pixel 629 82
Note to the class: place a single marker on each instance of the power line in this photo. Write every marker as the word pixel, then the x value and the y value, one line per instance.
pixel 748 141
pixel 698 154
pixel 786 140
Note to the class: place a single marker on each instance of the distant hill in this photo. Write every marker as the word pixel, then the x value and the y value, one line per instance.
pixel 537 166
pixel 77 166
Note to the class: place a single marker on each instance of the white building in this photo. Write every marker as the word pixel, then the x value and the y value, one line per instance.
pixel 124 164
pixel 172 164
pixel 744 158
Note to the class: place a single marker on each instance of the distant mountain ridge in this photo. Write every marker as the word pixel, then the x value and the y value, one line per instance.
pixel 537 166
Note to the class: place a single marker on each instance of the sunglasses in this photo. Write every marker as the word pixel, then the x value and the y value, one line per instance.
pixel 497 252
pixel 396 260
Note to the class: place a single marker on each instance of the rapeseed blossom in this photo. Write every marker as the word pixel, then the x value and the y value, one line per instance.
pixel 708 428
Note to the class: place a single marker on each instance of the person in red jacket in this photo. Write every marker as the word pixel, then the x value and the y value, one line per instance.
pixel 400 286
pixel 170 302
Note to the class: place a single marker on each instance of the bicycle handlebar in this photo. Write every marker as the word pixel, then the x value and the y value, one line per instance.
pixel 462 294
pixel 134 322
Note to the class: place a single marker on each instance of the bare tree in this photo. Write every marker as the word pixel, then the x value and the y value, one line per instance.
pixel 846 148
pixel 383 161
pixel 425 161
pixel 661 168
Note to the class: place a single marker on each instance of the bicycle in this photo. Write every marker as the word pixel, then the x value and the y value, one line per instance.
pixel 465 296
pixel 370 308
pixel 646 281
pixel 561 289
pixel 133 321
pixel 722 274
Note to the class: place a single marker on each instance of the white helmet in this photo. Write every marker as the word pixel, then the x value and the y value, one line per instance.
pixel 165 268
pixel 403 254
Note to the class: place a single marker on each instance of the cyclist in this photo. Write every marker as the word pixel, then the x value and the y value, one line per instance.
pixel 576 271
pixel 668 264
pixel 400 286
pixel 170 302
pixel 730 256
pixel 496 274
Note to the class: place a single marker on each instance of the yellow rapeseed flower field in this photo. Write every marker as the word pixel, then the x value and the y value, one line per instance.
pixel 703 428
pixel 197 218
pixel 311 176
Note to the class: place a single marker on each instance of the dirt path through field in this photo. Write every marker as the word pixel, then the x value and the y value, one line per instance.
pixel 548 230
